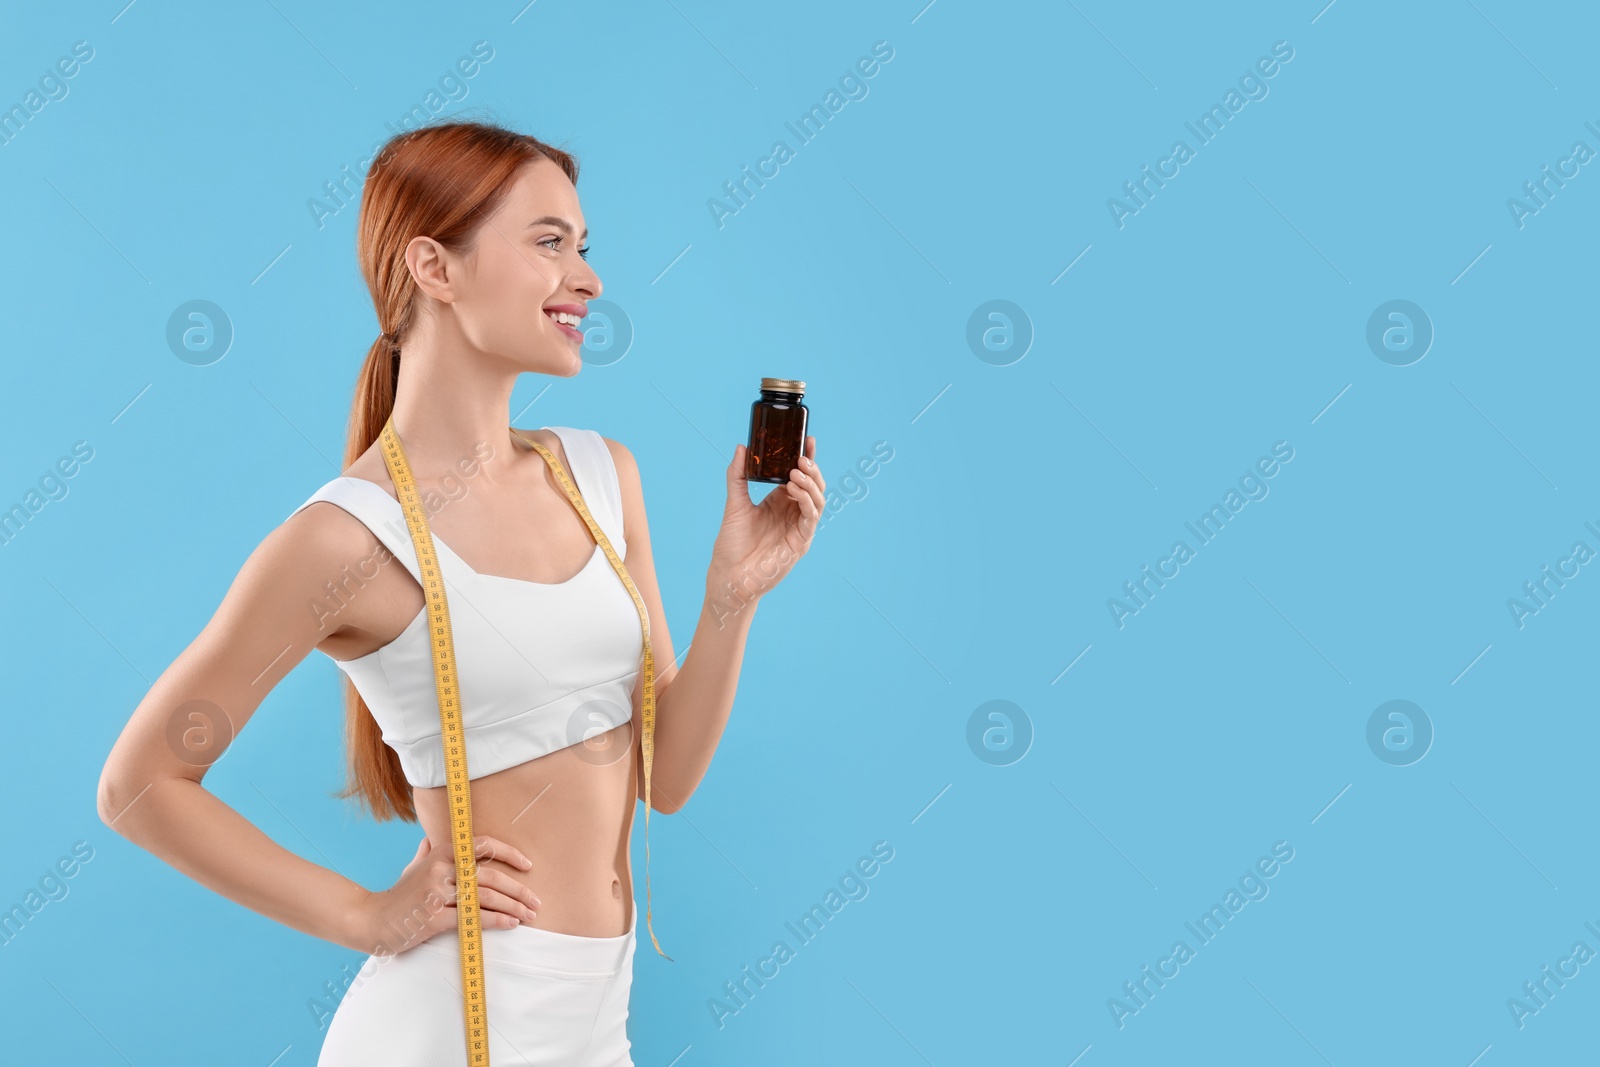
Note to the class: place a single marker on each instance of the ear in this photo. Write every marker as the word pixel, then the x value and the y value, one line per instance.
pixel 432 268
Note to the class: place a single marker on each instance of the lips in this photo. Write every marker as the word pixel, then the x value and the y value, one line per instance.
pixel 576 310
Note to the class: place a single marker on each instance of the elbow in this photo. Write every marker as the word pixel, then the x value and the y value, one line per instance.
pixel 117 792
pixel 113 792
pixel 127 775
pixel 665 802
pixel 109 802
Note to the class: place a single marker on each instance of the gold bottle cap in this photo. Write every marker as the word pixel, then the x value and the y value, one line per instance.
pixel 783 385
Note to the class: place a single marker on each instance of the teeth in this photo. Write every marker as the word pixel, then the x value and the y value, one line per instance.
pixel 565 317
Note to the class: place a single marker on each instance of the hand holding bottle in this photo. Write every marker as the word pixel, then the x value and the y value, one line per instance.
pixel 759 544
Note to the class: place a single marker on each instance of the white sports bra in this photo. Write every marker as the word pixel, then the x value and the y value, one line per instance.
pixel 541 666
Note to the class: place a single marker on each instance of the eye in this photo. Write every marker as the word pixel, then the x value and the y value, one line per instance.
pixel 584 251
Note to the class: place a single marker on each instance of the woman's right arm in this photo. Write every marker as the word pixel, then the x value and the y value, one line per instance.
pixel 150 791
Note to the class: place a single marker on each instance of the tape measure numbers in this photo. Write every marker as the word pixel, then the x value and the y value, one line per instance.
pixel 468 920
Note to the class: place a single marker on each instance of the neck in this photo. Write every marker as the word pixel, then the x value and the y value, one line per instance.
pixel 451 408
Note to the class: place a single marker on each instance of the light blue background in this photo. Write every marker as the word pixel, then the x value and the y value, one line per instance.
pixel 1228 314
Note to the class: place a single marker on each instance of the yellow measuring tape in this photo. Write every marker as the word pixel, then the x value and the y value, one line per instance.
pixel 468 921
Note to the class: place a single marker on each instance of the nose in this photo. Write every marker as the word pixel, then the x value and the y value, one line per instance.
pixel 586 282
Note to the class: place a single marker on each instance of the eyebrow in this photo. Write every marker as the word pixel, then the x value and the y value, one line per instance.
pixel 559 223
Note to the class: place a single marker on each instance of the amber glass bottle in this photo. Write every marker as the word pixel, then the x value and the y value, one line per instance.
pixel 777 431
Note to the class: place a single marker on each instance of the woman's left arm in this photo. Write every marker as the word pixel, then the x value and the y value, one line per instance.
pixel 756 547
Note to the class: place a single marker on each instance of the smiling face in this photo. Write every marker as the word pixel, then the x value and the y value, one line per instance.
pixel 526 266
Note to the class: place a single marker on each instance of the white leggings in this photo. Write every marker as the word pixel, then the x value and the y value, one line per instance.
pixel 553 999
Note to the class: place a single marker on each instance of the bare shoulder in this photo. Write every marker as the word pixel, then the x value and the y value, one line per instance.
pixel 633 517
pixel 627 467
pixel 318 538
pixel 304 575
pixel 322 534
pixel 317 550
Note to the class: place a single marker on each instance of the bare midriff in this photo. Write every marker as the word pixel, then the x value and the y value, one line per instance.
pixel 570 812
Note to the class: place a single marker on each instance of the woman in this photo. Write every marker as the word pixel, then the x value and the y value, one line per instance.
pixel 469 239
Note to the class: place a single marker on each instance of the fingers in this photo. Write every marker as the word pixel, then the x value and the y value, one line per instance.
pixel 808 464
pixel 490 918
pixel 737 483
pixel 492 848
pixel 500 893
pixel 494 877
pixel 497 920
pixel 486 847
pixel 506 885
pixel 804 494
pixel 808 488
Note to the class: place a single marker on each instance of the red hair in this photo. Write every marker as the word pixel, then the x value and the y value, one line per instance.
pixel 439 181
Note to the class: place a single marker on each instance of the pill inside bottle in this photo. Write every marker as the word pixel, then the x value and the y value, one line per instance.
pixel 777 431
